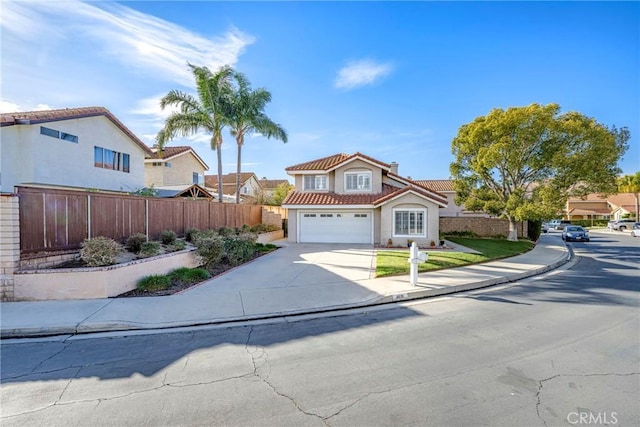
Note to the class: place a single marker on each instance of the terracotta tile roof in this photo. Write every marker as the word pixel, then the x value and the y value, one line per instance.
pixel 45 116
pixel 168 152
pixel 439 185
pixel 269 184
pixel 327 163
pixel 593 211
pixel 334 199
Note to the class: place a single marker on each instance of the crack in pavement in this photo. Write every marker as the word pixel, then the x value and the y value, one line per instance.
pixel 264 357
pixel 541 385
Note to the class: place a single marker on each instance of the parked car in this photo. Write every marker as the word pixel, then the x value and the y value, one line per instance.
pixel 621 224
pixel 559 224
pixel 545 227
pixel 575 233
pixel 635 231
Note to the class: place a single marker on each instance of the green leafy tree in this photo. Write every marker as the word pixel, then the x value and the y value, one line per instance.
pixel 280 193
pixel 247 115
pixel 631 184
pixel 524 162
pixel 206 112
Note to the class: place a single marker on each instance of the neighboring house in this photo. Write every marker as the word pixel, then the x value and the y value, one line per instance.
pixel 250 189
pixel 595 206
pixel 357 199
pixel 77 147
pixel 193 191
pixel 445 186
pixel 269 186
pixel 174 166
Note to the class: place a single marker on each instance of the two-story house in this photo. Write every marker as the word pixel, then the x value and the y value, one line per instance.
pixel 250 188
pixel 76 147
pixel 354 198
pixel 179 165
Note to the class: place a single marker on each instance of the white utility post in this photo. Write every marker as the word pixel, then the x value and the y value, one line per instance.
pixel 415 258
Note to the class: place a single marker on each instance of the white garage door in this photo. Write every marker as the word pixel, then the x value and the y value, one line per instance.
pixel 335 227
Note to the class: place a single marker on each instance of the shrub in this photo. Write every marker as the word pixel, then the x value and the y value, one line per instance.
pixel 167 237
pixel 189 234
pixel 210 247
pixel 264 228
pixel 534 228
pixel 244 229
pixel 189 275
pixel 239 249
pixel 135 241
pixel 149 249
pixel 259 247
pixel 178 245
pixel 154 283
pixel 227 231
pixel 99 251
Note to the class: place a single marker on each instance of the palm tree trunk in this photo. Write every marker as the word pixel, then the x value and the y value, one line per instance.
pixel 219 155
pixel 239 170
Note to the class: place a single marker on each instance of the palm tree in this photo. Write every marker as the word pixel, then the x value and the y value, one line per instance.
pixel 247 115
pixel 631 184
pixel 205 112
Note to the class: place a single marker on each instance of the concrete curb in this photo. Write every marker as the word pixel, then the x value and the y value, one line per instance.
pixel 376 301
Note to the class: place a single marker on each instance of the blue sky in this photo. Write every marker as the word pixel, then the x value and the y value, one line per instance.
pixel 394 80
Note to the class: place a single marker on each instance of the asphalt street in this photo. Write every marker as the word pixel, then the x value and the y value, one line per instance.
pixel 558 349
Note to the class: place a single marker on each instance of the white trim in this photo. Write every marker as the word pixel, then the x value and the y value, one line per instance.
pixel 424 222
pixel 414 193
pixel 357 174
pixel 335 207
pixel 357 157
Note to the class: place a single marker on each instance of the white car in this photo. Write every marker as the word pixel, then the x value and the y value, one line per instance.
pixel 635 230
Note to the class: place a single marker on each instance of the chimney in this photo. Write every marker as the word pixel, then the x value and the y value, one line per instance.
pixel 394 168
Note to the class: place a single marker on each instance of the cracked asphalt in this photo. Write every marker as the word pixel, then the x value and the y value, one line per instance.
pixel 541 352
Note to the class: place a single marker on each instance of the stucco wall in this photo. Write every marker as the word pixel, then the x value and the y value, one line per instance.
pixel 292 226
pixel 409 201
pixel 358 166
pixel 29 157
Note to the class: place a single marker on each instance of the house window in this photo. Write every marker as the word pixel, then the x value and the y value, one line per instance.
pixel 245 190
pixel 409 222
pixel 315 182
pixel 167 164
pixel 109 159
pixel 49 132
pixel 57 134
pixel 68 137
pixel 358 181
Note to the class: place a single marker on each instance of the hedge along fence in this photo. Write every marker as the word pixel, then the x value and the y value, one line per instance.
pixel 56 219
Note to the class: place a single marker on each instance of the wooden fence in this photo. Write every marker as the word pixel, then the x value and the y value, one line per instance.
pixel 53 219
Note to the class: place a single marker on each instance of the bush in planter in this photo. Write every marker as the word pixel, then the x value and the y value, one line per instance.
pixel 264 228
pixel 209 245
pixel 189 234
pixel 240 248
pixel 135 241
pixel 227 231
pixel 167 237
pixel 189 275
pixel 154 283
pixel 149 249
pixel 178 245
pixel 100 251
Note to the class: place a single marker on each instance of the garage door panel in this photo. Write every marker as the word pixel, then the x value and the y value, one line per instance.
pixel 335 227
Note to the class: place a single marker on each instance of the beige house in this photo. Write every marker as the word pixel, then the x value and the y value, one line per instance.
pixel 75 147
pixel 269 186
pixel 445 186
pixel 354 198
pixel 174 166
pixel 250 188
pixel 596 206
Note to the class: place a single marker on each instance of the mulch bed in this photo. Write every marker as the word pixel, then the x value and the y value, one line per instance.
pixel 179 286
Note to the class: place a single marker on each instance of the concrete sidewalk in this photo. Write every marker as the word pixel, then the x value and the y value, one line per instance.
pixel 297 279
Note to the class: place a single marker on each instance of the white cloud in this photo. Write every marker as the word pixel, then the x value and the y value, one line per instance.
pixel 11 107
pixel 135 39
pixel 361 73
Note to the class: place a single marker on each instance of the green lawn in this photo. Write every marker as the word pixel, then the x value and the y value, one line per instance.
pixel 390 263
